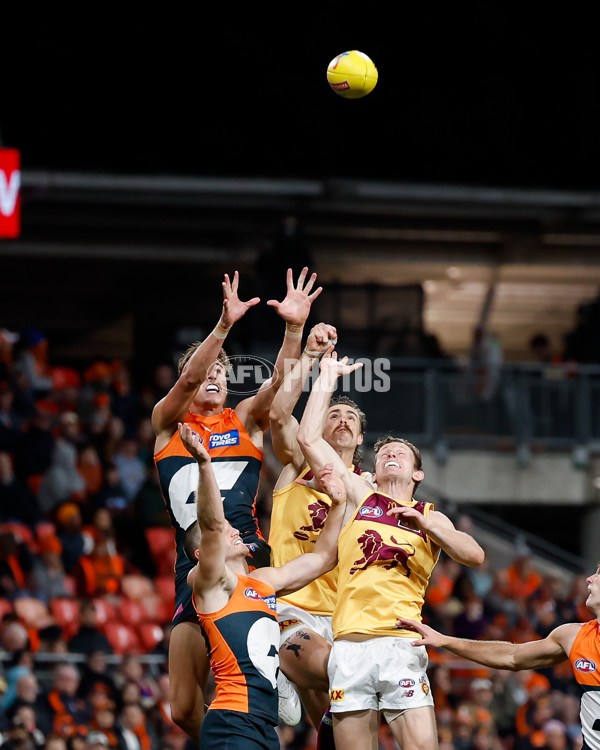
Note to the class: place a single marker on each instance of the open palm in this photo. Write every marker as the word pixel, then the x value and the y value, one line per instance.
pixel 295 307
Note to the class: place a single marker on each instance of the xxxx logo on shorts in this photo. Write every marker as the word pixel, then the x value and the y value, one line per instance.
pixel 285 624
pixel 336 695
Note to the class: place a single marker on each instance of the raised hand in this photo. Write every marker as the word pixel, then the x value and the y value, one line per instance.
pixel 193 443
pixel 295 307
pixel 321 337
pixel 233 307
pixel 401 511
pixel 331 366
pixel 331 483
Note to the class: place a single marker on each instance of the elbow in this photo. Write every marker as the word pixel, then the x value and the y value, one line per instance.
pixel 303 438
pixel 329 562
pixel 476 557
pixel 275 418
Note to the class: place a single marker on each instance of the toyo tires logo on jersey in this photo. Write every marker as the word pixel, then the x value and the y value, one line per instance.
pixel 585 665
pixel 270 601
pixel 223 439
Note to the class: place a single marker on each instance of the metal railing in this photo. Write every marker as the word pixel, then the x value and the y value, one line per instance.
pixel 436 402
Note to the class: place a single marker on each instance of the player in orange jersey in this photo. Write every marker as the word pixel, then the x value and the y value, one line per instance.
pixel 238 612
pixel 577 642
pixel 234 438
pixel 387 549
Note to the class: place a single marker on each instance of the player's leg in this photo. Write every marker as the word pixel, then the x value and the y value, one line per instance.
pixel 303 657
pixel 315 702
pixel 407 704
pixel 415 728
pixel 188 673
pixel 357 730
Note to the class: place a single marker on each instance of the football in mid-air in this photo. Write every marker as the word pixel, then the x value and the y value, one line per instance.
pixel 352 74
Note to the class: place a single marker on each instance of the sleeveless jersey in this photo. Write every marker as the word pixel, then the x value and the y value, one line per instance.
pixel 297 518
pixel 384 569
pixel 585 661
pixel 236 462
pixel 243 643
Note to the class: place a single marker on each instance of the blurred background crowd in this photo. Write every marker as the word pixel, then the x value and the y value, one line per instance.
pixel 86 584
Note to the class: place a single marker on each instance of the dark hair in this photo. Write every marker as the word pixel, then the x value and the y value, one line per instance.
pixel 345 401
pixel 191 541
pixel 418 463
pixel 222 359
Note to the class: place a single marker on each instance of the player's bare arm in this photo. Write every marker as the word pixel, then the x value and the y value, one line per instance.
pixel 547 652
pixel 294 309
pixel 170 410
pixel 442 532
pixel 210 580
pixel 284 426
pixel 315 448
pixel 306 568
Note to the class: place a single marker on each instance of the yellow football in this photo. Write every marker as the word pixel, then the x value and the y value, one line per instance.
pixel 352 74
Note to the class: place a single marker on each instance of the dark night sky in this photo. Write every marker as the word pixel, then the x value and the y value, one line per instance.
pixel 486 95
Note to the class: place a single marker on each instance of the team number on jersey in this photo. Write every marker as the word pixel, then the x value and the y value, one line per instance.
pixel 184 484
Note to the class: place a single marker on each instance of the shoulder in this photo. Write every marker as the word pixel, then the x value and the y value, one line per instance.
pixel 566 634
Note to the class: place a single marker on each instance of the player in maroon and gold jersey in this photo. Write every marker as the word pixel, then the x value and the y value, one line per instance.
pixel 387 548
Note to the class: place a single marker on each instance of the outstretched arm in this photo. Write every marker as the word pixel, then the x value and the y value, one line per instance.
pixel 294 309
pixel 210 570
pixel 546 652
pixel 315 448
pixel 442 532
pixel 284 427
pixel 175 405
pixel 305 568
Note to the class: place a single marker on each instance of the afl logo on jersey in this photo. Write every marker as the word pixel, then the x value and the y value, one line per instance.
pixel 371 512
pixel 585 665
pixel 250 593
pixel 224 439
pixel 406 682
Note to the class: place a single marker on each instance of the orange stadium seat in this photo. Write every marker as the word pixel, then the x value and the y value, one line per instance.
pixel 165 588
pixel 132 612
pixel 150 634
pixel 123 638
pixel 105 613
pixel 161 542
pixel 66 614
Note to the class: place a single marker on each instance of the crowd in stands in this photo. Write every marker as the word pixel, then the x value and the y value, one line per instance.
pixel 86 583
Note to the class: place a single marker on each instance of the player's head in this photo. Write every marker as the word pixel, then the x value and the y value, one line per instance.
pixel 593 600
pixel 234 546
pixel 345 425
pixel 397 458
pixel 214 388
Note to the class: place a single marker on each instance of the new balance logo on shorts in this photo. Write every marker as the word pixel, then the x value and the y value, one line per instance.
pixel 223 439
pixel 336 695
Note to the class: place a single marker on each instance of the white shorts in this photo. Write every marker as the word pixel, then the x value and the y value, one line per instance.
pixel 381 674
pixel 292 619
